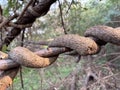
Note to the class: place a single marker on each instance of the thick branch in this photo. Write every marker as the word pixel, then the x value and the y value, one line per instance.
pixel 8 63
pixel 105 34
pixel 98 35
pixel 7 78
pixel 82 45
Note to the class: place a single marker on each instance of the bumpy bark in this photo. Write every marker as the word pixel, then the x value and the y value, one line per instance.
pixel 104 33
pixel 7 78
pixel 25 57
pixel 82 45
pixel 3 55
pixel 6 64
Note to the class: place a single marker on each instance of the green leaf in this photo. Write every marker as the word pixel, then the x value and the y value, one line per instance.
pixel 4 48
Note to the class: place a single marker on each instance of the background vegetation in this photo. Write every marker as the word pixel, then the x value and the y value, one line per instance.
pixel 65 73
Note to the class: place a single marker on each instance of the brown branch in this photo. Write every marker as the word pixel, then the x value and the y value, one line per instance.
pixel 27 58
pixel 19 26
pixel 105 34
pixel 82 45
pixel 3 55
pixel 6 21
pixel 41 42
pixel 1 12
pixel 7 77
pixel 52 52
pixel 6 64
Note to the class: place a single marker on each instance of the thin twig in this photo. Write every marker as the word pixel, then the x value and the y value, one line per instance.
pixel 69 6
pixel 61 14
pixel 1 35
pixel 21 76
pixel 6 21
pixel 22 38
pixel 1 18
pixel 19 26
pixel 105 55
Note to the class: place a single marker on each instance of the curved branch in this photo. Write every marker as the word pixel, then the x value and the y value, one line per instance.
pixel 6 64
pixel 105 34
pixel 82 45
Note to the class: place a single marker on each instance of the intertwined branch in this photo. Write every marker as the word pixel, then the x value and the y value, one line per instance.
pixel 89 44
pixel 95 37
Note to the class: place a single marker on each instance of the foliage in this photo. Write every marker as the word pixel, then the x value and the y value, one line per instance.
pixel 80 16
pixel 35 79
pixel 77 19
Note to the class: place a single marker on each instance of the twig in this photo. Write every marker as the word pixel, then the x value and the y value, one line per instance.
pixel 21 76
pixel 1 36
pixel 1 19
pixel 105 55
pixel 61 14
pixel 69 6
pixel 22 38
pixel 19 26
pixel 6 21
pixel 1 12
pixel 78 59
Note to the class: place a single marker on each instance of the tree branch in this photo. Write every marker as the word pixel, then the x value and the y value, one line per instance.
pixel 29 17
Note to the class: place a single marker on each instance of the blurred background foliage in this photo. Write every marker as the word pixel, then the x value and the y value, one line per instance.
pixel 78 15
